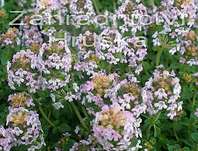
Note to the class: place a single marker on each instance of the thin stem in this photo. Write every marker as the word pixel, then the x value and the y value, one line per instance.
pixel 45 116
pixel 157 117
pixel 114 5
pixel 194 100
pixel 155 130
pixel 148 132
pixel 152 3
pixel 85 112
pixel 96 6
pixel 79 116
pixel 49 115
pixel 158 57
pixel 154 124
pixel 175 133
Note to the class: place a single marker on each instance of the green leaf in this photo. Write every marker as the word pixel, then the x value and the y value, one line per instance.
pixel 195 136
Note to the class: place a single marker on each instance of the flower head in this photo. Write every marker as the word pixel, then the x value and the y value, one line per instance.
pixel 25 125
pixel 57 61
pixel 6 139
pixel 21 70
pixel 115 128
pixel 127 93
pixel 162 91
pixel 20 100
pixel 10 37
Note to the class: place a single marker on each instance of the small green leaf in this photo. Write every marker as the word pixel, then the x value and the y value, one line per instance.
pixel 195 136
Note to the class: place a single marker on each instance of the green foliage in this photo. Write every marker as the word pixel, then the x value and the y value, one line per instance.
pixel 160 134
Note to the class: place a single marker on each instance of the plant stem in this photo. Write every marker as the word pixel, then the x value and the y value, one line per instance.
pixel 157 117
pixel 159 53
pixel 96 6
pixel 114 5
pixel 79 116
pixel 175 133
pixel 155 130
pixel 85 112
pixel 45 117
pixel 194 100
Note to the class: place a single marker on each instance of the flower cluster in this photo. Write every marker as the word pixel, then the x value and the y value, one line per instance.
pixel 162 91
pixel 110 47
pixel 96 89
pixel 21 71
pixel 18 100
pixel 57 64
pixel 10 37
pixel 31 36
pixel 85 145
pixel 48 69
pixel 81 10
pixel 128 93
pixel 116 129
pixel 50 4
pixel 176 21
pixel 6 139
pixel 101 71
pixel 87 56
pixel 82 7
pixel 132 15
pixel 135 50
pixel 188 47
pixel 24 127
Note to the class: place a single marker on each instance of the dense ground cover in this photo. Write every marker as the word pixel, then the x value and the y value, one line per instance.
pixel 120 85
